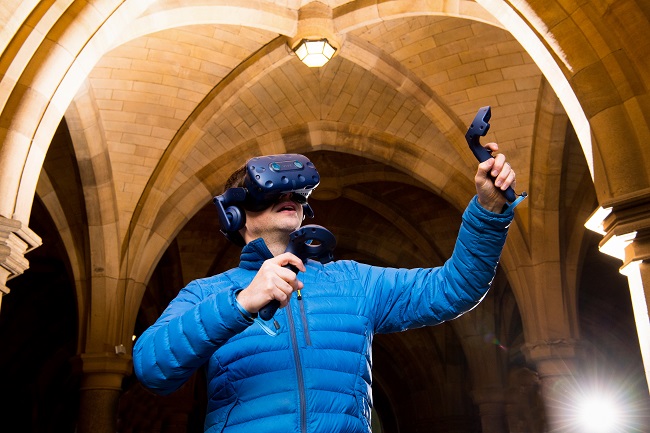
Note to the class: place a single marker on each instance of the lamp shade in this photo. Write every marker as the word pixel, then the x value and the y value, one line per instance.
pixel 314 53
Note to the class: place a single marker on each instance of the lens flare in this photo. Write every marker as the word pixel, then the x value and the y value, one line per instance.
pixel 492 339
pixel 600 406
pixel 598 414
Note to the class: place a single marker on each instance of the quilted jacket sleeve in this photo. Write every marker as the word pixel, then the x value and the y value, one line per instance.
pixel 407 298
pixel 201 318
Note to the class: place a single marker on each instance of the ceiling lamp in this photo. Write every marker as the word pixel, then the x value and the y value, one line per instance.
pixel 315 41
pixel 314 53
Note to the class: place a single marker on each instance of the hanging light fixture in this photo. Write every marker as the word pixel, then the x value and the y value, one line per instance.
pixel 315 41
pixel 315 53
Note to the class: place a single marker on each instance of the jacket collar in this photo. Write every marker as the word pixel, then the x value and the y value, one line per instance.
pixel 254 254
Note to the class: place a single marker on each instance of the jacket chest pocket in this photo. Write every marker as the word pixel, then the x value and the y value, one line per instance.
pixel 331 323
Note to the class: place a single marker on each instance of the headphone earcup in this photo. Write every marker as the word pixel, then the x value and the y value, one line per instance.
pixel 236 218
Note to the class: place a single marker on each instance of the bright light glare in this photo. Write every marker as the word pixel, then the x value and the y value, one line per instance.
pixel 600 407
pixel 598 414
pixel 315 53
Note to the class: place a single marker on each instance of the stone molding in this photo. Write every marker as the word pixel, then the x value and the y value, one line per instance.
pixel 629 220
pixel 16 239
pixel 554 357
pixel 104 370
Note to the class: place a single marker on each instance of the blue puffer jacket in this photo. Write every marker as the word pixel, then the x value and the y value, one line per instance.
pixel 315 375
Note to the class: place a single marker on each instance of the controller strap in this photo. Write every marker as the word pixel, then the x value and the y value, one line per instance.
pixel 271 331
pixel 514 204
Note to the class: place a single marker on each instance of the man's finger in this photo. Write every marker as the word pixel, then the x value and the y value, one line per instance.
pixel 492 146
pixel 289 258
pixel 502 175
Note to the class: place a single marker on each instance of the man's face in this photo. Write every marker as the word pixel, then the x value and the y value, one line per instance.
pixel 282 217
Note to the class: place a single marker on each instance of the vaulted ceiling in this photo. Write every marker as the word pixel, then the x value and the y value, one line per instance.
pixel 138 111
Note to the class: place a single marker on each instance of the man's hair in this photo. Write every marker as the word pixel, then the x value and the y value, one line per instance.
pixel 236 179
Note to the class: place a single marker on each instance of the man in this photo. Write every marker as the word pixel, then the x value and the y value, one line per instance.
pixel 314 373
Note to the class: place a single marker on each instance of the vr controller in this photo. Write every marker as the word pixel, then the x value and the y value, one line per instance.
pixel 308 242
pixel 266 179
pixel 479 128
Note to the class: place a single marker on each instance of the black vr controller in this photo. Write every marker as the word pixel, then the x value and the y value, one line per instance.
pixel 308 242
pixel 266 179
pixel 477 129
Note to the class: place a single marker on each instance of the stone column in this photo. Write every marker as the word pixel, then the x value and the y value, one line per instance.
pixel 491 403
pixel 555 362
pixel 644 273
pixel 636 267
pixel 100 391
pixel 625 224
pixel 16 239
pixel 524 407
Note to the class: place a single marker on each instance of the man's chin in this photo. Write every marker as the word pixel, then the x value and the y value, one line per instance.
pixel 292 227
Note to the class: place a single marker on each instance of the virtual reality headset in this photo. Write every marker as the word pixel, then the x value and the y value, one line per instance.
pixel 267 178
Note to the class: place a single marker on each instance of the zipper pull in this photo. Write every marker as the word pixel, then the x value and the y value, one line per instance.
pixel 299 295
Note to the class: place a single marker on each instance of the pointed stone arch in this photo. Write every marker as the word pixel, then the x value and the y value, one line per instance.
pixel 37 94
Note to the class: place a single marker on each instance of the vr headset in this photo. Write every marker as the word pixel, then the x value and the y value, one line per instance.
pixel 267 178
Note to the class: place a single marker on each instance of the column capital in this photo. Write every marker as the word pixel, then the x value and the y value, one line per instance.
pixel 16 239
pixel 553 357
pixel 629 206
pixel 626 227
pixel 104 370
pixel 488 395
pixel 492 408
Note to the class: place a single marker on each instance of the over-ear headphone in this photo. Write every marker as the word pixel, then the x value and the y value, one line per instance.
pixel 231 213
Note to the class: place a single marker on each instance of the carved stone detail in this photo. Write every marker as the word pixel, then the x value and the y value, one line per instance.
pixel 16 239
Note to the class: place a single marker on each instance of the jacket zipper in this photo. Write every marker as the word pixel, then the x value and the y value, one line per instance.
pixel 301 380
